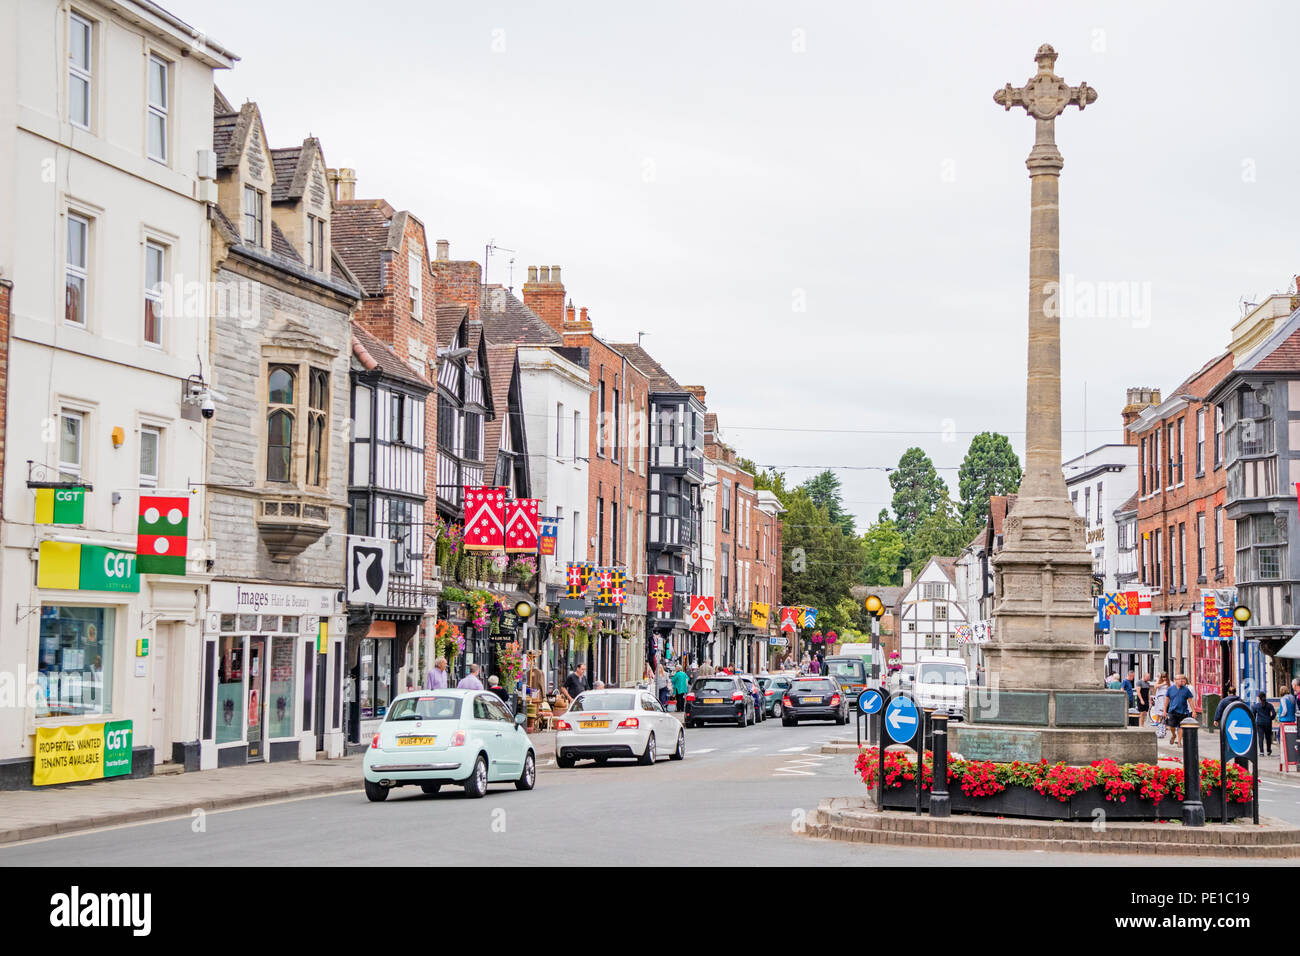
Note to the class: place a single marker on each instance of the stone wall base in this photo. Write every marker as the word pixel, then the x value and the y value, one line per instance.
pixel 1079 747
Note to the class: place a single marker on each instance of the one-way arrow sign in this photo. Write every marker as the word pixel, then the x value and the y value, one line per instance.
pixel 1240 729
pixel 900 719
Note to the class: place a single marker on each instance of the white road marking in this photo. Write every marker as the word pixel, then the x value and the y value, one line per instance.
pixel 798 766
pixel 703 750
pixel 793 750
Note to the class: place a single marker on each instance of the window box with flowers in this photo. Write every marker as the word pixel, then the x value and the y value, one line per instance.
pixel 1055 791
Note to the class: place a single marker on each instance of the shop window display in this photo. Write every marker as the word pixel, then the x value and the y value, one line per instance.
pixel 230 691
pixel 75 665
pixel 279 698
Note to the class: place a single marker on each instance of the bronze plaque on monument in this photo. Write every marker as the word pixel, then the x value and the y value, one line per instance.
pixel 1027 708
pixel 1091 709
pixel 998 746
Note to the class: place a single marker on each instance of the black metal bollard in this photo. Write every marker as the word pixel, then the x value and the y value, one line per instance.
pixel 940 806
pixel 1193 809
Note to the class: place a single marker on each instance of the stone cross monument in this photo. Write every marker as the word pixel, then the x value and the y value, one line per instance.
pixel 1043 658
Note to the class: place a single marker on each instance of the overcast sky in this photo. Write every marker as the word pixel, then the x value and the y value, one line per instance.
pixel 820 214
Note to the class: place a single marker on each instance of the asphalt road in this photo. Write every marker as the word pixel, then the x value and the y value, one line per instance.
pixel 736 798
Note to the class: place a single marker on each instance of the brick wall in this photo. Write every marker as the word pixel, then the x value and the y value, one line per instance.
pixel 460 282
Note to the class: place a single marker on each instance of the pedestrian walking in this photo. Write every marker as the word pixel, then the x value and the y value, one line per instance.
pixel 1143 690
pixel 1181 700
pixel 1228 699
pixel 1126 685
pixel 661 685
pixel 1287 714
pixel 494 685
pixel 437 676
pixel 680 682
pixel 576 682
pixel 1160 706
pixel 1263 713
pixel 470 681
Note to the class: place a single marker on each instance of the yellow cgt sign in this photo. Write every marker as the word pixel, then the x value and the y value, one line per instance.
pixel 83 752
pixel 758 614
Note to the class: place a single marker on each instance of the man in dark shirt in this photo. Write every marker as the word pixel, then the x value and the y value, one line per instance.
pixel 576 682
pixel 1180 706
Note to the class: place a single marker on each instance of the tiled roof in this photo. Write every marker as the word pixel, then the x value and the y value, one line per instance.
pixel 660 380
pixel 373 354
pixel 1285 357
pixel 501 367
pixel 285 162
pixel 506 320
pixel 223 131
pixel 1130 505
pixel 281 246
pixel 359 230
pixel 219 102
pixel 449 318
pixel 946 565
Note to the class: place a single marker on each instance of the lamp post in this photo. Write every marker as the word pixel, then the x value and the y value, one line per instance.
pixel 876 608
pixel 1241 614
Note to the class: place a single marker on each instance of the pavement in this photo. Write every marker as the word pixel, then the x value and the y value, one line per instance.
pixel 742 796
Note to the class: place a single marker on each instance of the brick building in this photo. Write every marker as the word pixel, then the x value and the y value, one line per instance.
pixel 618 466
pixel 1185 542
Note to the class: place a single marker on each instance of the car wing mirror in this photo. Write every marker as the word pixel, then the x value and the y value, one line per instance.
pixel 521 719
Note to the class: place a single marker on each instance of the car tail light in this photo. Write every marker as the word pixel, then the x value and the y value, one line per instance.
pixel 768 693
pixel 374 741
pixel 786 700
pixel 459 739
pixel 629 722
pixel 737 696
pixel 691 695
pixel 835 700
pixel 563 725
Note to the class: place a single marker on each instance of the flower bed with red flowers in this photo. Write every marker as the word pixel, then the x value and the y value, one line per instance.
pixel 1117 782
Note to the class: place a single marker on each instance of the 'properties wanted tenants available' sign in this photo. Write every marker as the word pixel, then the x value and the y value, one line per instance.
pixel 83 752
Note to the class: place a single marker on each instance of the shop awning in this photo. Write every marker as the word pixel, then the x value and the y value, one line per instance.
pixel 1291 649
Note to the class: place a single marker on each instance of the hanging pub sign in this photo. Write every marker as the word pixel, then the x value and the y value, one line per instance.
pixel 789 619
pixel 550 533
pixel 571 608
pixel 61 505
pixel 485 518
pixel 521 526
pixel 369 562
pixel 758 614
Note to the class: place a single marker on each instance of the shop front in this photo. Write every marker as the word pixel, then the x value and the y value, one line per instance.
pixel 272 674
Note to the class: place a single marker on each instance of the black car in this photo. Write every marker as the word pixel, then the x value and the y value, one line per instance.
pixel 721 697
pixel 814 698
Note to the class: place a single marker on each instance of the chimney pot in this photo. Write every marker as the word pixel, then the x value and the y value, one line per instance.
pixel 443 250
pixel 346 184
pixel 583 314
pixel 545 274
pixel 568 312
pixel 907 577
pixel 555 274
pixel 532 273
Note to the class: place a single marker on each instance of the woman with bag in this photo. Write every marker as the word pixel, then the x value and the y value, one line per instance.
pixel 1160 705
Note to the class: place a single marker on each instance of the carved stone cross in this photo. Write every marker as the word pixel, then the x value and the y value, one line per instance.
pixel 1045 97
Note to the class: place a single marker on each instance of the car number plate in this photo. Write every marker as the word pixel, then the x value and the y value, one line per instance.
pixel 590 724
pixel 711 700
pixel 812 700
pixel 416 741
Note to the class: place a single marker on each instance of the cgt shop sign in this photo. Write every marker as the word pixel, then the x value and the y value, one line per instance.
pixel 83 752
pixel 86 567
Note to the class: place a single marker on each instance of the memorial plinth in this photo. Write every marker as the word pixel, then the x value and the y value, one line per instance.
pixel 1043 660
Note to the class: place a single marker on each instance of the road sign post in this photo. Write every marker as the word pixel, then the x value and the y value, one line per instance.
pixel 1237 736
pixel 902 725
pixel 870 703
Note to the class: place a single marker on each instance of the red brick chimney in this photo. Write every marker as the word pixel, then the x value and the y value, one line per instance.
pixel 458 282
pixel 1138 399
pixel 698 392
pixel 544 294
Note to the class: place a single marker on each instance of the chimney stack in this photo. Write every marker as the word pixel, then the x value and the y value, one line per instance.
pixel 568 314
pixel 907 577
pixel 443 250
pixel 583 313
pixel 698 392
pixel 544 294
pixel 1137 400
pixel 343 183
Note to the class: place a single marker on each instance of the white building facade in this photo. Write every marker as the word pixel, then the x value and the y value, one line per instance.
pixel 107 149
pixel 931 610
pixel 1099 482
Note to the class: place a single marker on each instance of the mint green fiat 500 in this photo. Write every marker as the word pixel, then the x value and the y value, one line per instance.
pixel 462 737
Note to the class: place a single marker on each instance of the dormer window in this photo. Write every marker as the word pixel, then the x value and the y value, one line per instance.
pixel 316 243
pixel 253 215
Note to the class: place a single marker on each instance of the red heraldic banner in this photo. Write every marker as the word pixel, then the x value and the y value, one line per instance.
pixel 485 518
pixel 701 614
pixel 162 535
pixel 789 616
pixel 521 526
pixel 660 596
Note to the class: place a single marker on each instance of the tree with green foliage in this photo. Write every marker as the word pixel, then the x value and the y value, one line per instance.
pixel 824 490
pixel 883 548
pixel 767 479
pixel 918 490
pixel 989 468
pixel 942 533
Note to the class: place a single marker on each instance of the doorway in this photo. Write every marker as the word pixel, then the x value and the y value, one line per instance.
pixel 159 728
pixel 256 697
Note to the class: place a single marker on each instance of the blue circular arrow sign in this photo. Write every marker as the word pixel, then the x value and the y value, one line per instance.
pixel 1239 728
pixel 901 719
pixel 870 701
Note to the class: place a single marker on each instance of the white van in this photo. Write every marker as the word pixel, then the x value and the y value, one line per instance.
pixel 941 683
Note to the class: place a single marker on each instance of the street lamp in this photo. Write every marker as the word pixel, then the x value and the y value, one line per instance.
pixel 876 608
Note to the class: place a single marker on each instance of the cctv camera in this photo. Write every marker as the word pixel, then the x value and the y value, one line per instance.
pixel 207 406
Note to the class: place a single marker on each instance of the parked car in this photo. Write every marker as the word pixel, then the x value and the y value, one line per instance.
pixel 853 673
pixel 941 684
pixel 721 697
pixel 775 688
pixel 814 698
pixel 461 737
pixel 627 722
pixel 760 712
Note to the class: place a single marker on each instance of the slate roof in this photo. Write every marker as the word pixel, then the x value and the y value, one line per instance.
pixel 286 163
pixel 659 379
pixel 449 318
pixel 946 565
pixel 374 354
pixel 281 246
pixel 506 320
pixel 1130 505
pixel 361 230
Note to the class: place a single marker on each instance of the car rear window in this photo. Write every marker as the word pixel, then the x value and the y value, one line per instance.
pixel 812 686
pixel 715 685
pixel 853 670
pixel 590 702
pixel 432 707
